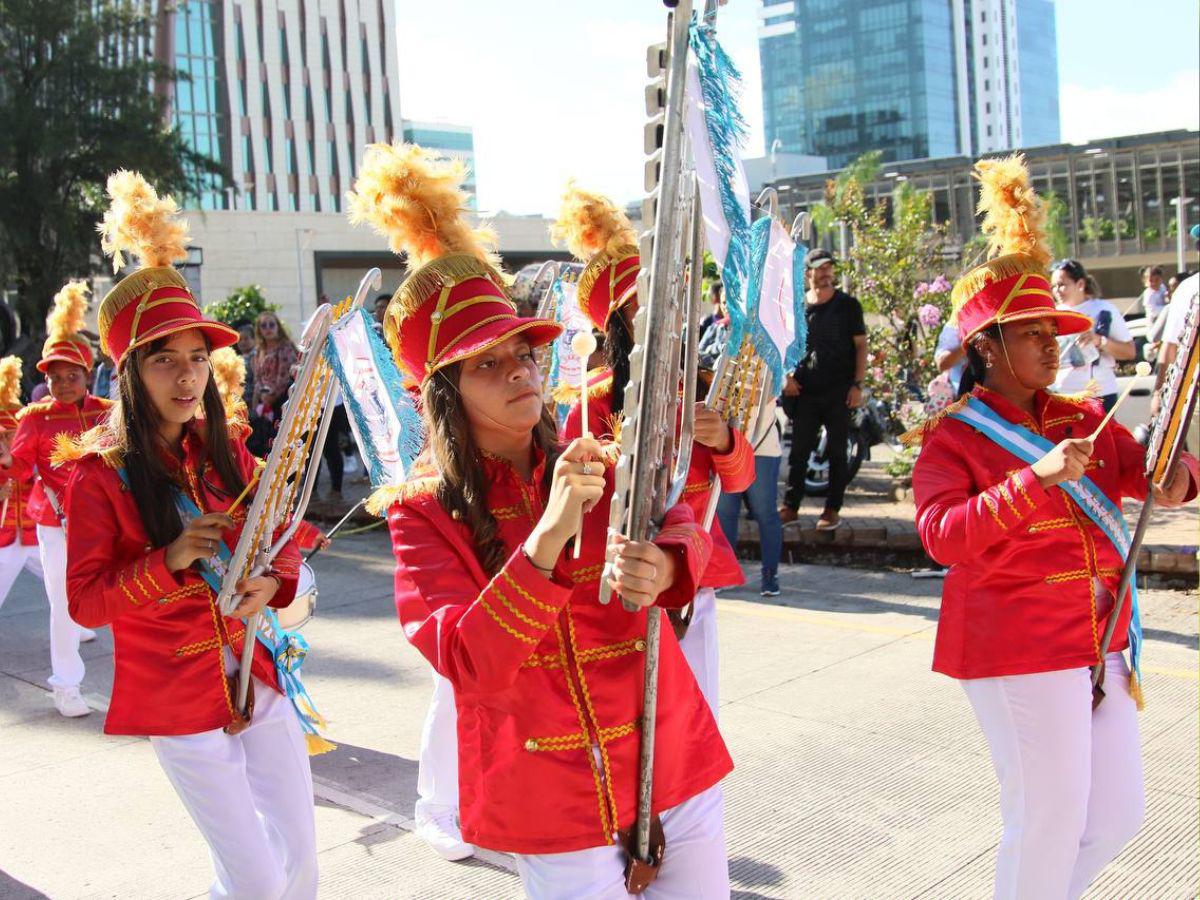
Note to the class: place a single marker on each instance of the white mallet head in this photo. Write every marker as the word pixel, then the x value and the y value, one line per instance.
pixel 583 344
pixel 1143 369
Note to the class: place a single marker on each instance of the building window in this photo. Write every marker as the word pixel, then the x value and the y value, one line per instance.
pixel 989 131
pixel 987 108
pixel 987 84
pixel 273 202
pixel 985 62
pixel 985 39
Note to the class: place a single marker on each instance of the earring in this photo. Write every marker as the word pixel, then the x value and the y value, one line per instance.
pixel 990 362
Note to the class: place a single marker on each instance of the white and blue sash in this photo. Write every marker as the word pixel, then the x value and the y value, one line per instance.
pixel 1029 447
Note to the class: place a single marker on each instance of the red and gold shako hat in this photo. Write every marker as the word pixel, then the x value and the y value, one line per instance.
pixel 454 304
pixel 64 343
pixel 155 301
pixel 453 308
pixel 1012 286
pixel 600 235
pixel 10 392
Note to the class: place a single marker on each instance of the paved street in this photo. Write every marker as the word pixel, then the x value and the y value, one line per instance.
pixel 859 772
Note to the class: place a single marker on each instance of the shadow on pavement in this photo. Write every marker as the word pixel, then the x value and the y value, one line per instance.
pixel 388 779
pixel 11 889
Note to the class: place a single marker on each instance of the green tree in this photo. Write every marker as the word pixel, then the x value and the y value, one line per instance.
pixel 243 305
pixel 1056 225
pixel 895 264
pixel 77 102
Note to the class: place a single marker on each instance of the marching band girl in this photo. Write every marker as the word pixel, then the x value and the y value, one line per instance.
pixel 18 531
pixel 598 233
pixel 67 364
pixel 548 682
pixel 152 493
pixel 1024 507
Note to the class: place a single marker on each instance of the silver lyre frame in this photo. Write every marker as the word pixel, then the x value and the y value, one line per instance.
pixel 643 478
pixel 258 559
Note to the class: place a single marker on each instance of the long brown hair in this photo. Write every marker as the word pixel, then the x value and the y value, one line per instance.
pixel 462 486
pixel 134 423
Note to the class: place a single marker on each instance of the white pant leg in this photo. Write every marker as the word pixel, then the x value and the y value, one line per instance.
pixel 437 766
pixel 13 559
pixel 695 867
pixel 700 647
pixel 66 665
pixel 1117 803
pixel 1039 731
pixel 251 797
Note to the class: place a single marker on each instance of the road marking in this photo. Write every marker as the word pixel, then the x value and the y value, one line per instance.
pixel 791 613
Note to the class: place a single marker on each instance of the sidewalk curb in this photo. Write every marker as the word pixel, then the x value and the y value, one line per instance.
pixel 800 545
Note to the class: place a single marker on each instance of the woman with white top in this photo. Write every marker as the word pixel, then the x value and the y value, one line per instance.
pixel 1094 354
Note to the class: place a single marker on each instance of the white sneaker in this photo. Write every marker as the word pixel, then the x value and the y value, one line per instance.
pixel 86 635
pixel 443 835
pixel 69 702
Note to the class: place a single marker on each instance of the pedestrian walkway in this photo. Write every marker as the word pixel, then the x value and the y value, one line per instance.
pixel 859 772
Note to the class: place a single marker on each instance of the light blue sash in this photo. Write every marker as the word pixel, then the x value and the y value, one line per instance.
pixel 1029 448
pixel 288 648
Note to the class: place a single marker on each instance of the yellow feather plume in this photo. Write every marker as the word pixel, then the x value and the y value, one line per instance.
pixel 10 382
pixel 69 313
pixel 1013 217
pixel 589 223
pixel 229 372
pixel 414 198
pixel 141 223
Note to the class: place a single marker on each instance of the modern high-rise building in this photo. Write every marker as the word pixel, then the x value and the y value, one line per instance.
pixel 284 93
pixel 457 141
pixel 915 79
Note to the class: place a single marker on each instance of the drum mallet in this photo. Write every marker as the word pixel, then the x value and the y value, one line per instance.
pixel 336 528
pixel 583 345
pixel 1142 369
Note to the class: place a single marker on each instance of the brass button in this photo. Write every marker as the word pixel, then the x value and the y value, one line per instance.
pixel 1078 417
pixel 531 745
pixel 640 646
pixel 1100 463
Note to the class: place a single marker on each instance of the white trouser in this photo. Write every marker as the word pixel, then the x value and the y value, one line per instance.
pixel 1071 791
pixel 437 766
pixel 700 648
pixel 66 665
pixel 15 557
pixel 251 796
pixel 695 866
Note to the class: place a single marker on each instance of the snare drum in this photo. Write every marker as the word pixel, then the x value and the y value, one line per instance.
pixel 297 613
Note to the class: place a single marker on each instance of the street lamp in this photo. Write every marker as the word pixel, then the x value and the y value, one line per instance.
pixel 1181 203
pixel 776 146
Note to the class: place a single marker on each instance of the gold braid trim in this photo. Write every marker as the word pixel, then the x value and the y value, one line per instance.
pixel 382 499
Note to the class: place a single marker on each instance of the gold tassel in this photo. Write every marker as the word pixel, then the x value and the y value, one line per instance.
pixel 1135 691
pixel 132 287
pixel 381 499
pixel 317 744
pixel 445 271
pixel 599 263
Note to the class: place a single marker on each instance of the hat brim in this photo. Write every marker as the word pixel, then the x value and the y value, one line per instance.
pixel 43 364
pixel 218 335
pixel 1068 322
pixel 537 331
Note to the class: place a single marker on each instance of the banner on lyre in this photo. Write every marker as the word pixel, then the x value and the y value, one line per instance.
pixel 566 368
pixel 383 415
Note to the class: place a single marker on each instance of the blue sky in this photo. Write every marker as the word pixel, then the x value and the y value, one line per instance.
pixel 553 88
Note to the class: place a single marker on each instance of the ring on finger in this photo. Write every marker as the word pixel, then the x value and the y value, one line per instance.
pixel 587 469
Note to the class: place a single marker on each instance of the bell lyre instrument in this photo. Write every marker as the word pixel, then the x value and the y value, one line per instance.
pixel 286 482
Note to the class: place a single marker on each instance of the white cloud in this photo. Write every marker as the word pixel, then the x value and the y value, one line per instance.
pixel 1090 113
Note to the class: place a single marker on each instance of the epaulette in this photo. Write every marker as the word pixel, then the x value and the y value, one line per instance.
pixel 39 407
pixel 95 441
pixel 916 435
pixel 599 385
pixel 382 499
pixel 1091 391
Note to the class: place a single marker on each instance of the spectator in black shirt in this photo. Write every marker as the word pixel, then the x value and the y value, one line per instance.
pixel 825 387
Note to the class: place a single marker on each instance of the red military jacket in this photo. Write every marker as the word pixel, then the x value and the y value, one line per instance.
pixel 543 673
pixel 1020 596
pixel 17 525
pixel 168 634
pixel 39 426
pixel 735 468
